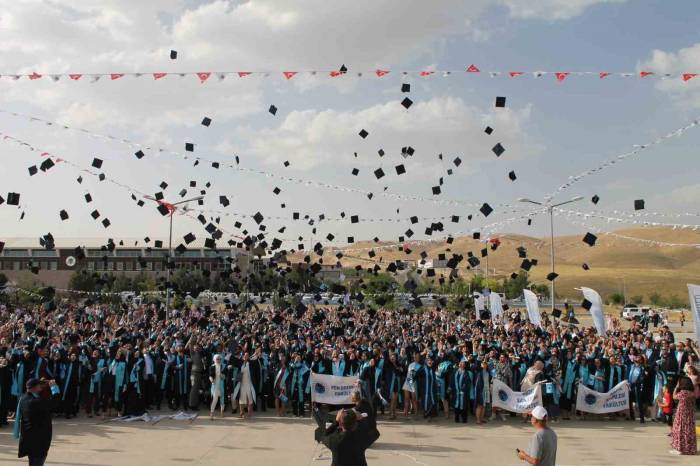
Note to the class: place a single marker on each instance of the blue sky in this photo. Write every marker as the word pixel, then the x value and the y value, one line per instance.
pixel 551 130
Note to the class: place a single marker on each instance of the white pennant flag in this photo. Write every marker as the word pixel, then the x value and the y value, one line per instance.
pixel 533 308
pixel 694 296
pixel 478 303
pixel 596 309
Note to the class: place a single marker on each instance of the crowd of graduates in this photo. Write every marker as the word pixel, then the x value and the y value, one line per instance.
pixel 114 360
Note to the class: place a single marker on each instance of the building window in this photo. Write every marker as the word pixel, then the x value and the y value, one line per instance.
pixel 53 265
pixel 16 266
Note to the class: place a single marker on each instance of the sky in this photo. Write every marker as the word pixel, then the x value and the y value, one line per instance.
pixel 550 130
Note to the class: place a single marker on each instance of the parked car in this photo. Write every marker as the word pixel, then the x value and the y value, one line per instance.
pixel 634 312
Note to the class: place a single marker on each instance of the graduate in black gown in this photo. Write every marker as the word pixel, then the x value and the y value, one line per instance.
pixel 70 389
pixel 343 438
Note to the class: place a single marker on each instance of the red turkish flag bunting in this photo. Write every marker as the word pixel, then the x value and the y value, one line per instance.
pixel 644 74
pixel 689 76
pixel 381 73
pixel 34 75
pixel 243 74
pixel 603 74
pixel 514 74
pixel 335 73
pixel 203 76
pixel 116 75
pixel 561 76
pixel 75 77
pixel 159 75
pixel 289 74
pixel 473 69
pixel 426 73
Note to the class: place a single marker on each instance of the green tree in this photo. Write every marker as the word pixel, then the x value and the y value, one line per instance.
pixel 617 298
pixel 674 302
pixel 655 298
pixel 81 280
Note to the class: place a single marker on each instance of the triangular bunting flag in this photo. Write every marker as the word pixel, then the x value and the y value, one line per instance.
pixel 34 76
pixel 689 76
pixel 243 74
pixel 381 73
pixel 116 76
pixel 514 74
pixel 335 73
pixel 159 75
pixel 203 76
pixel 644 74
pixel 289 74
pixel 75 77
pixel 561 76
pixel 426 73
pixel 603 74
pixel 473 69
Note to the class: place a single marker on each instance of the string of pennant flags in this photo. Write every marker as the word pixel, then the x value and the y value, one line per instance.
pixel 471 70
pixel 623 213
pixel 218 164
pixel 636 149
pixel 644 223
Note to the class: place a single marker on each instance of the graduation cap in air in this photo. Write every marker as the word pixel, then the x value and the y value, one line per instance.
pixel 363 133
pixel 526 265
pixel 400 169
pixel 639 204
pixel 46 165
pixel 379 173
pixel 223 200
pixel 500 101
pixel 286 163
pixel 590 239
pixel 486 210
pixel 97 163
pixel 189 237
pixel 13 198
pixel 33 170
pixel 498 149
pixel 551 276
pixel 406 102
pixel 585 266
pixel 512 176
pixel 457 161
pixel 586 304
pixel 513 276
pixel 556 313
pixel 158 243
pixel 405 87
pixel 189 147
pixel 488 130
pixel 272 110
pixel 206 121
pixel 139 154
pixel 106 223
pixel 595 199
pixel 436 190
pixel 173 54
pixel 355 171
pixel 476 235
pixel 64 215
pixel 95 214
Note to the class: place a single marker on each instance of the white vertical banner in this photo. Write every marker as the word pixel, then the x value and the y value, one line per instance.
pixel 694 297
pixel 496 306
pixel 533 307
pixel 596 309
pixel 478 303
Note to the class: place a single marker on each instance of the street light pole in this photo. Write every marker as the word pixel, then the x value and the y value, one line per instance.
pixel 172 208
pixel 550 210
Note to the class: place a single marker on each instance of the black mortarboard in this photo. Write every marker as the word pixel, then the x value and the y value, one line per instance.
pixel 64 215
pixel 363 134
pixel 173 54
pixel 457 161
pixel 163 185
pixel 286 163
pixel 46 164
pixel 79 179
pixel 189 147
pixel 590 239
pixel 500 101
pixel 215 165
pixel 556 313
pixel 355 171
pixel 351 239
pixel 12 198
pixel 193 183
pixel 189 237
pixel 595 199
pixel 455 218
pixel 585 266
pixel 159 196
pixel 276 190
pixel 163 210
pixel 354 219
pixel 436 190
pixel 486 210
pixel 586 304
pixel 513 276
pixel 258 217
pixel 639 204
pixel 223 200
pixel 139 154
pixel 33 170
pixel 95 214
pixel 97 163
pixel 101 176
pixel 379 173
pixel 209 243
pixel 181 248
pixel 106 222
pixel 405 87
pixel 488 130
pixel 406 102
pixel 206 121
pixel 158 243
pixel 512 176
pixel 498 149
pixel 484 252
pixel 400 169
pixel 476 235
pixel 551 276
pixel 525 265
pixel 272 109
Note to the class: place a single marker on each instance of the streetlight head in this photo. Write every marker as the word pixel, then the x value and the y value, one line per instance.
pixel 530 201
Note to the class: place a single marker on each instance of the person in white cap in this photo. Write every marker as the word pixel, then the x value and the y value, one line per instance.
pixel 543 446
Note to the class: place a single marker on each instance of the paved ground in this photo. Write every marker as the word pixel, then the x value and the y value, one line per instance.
pixel 289 441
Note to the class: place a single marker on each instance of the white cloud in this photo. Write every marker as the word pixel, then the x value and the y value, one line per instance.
pixel 445 125
pixel 686 60
pixel 550 9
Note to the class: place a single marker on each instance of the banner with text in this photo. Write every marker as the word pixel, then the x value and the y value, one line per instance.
pixel 694 296
pixel 590 401
pixel 504 397
pixel 332 389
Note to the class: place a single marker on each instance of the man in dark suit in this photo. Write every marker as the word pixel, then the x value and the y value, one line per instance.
pixel 33 422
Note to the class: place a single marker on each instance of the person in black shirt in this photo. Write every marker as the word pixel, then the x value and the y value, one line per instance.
pixel 346 442
pixel 33 422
